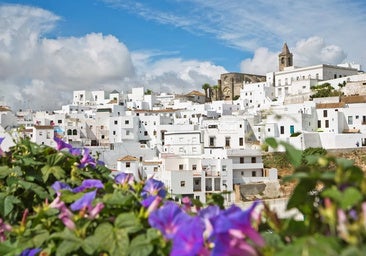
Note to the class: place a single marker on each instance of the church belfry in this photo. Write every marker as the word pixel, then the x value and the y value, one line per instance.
pixel 285 58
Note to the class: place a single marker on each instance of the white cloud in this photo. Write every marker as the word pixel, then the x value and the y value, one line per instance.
pixel 39 72
pixel 314 51
pixel 262 62
pixel 307 52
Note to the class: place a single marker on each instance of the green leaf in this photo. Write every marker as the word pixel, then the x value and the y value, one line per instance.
pixel 300 195
pixel 140 246
pixel 40 191
pixel 293 155
pixel 90 245
pixel 312 245
pixel 70 242
pixel 4 171
pixel 272 142
pixel 9 203
pixel 332 193
pixel 129 222
pixel 114 241
pixel 56 171
pixel 351 196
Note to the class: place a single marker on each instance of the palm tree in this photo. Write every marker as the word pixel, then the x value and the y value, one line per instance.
pixel 216 90
pixel 205 87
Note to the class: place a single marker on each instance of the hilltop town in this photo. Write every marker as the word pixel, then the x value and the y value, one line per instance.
pixel 208 141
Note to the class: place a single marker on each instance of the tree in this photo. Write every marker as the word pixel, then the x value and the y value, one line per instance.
pixel 148 92
pixel 206 87
pixel 216 90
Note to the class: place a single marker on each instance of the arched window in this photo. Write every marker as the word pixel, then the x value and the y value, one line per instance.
pixel 74 132
pixel 69 132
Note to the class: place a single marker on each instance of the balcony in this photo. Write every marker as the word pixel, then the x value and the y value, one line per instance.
pixel 248 166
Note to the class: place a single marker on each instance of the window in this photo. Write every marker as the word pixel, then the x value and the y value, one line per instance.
pixel 74 132
pixel 325 113
pixel 69 132
pixel 319 124
pixel 146 133
pixel 254 159
pixel 127 132
pixel 223 168
pixel 181 167
pixel 114 132
pixel 128 164
pixel 212 141
pixel 282 129
pixel 115 122
pixel 254 173
pixel 241 141
pixel 59 121
pixel 182 183
pixel 127 121
pixel 241 160
pixel 194 167
pixel 227 141
pixel 259 129
pixel 155 169
pixel 326 123
pixel 350 120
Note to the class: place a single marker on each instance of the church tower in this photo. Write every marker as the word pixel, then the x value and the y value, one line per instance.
pixel 285 58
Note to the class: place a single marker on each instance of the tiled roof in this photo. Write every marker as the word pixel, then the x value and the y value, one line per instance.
pixel 354 99
pixel 127 158
pixel 44 127
pixel 195 93
pixel 331 105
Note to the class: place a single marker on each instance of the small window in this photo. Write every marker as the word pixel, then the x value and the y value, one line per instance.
pixel 146 133
pixel 254 159
pixel 319 124
pixel 181 167
pixel 128 164
pixel 326 123
pixel 241 141
pixel 325 113
pixel 127 121
pixel 194 167
pixel 182 183
pixel 350 120
pixel 254 173
pixel 115 122
pixel 282 129
pixel 241 160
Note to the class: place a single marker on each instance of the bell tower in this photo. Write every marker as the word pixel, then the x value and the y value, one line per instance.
pixel 285 58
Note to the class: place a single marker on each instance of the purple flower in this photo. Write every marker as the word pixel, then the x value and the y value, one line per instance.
pixel 3 228
pixel 152 189
pixel 188 239
pixel 58 185
pixel 235 224
pixel 124 178
pixel 87 159
pixel 1 141
pixel 168 219
pixel 89 183
pixel 84 202
pixel 60 144
pixel 75 151
pixel 65 215
pixel 30 252
pixel 93 212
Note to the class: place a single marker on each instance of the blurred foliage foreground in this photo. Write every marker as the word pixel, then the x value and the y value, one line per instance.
pixel 63 201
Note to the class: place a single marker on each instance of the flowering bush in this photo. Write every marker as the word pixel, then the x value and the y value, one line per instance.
pixel 63 201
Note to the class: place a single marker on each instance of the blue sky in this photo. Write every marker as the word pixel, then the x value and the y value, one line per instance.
pixel 48 48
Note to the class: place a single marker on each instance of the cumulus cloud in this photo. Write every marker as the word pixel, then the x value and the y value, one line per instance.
pixel 40 72
pixel 314 51
pixel 307 52
pixel 262 62
pixel 175 74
